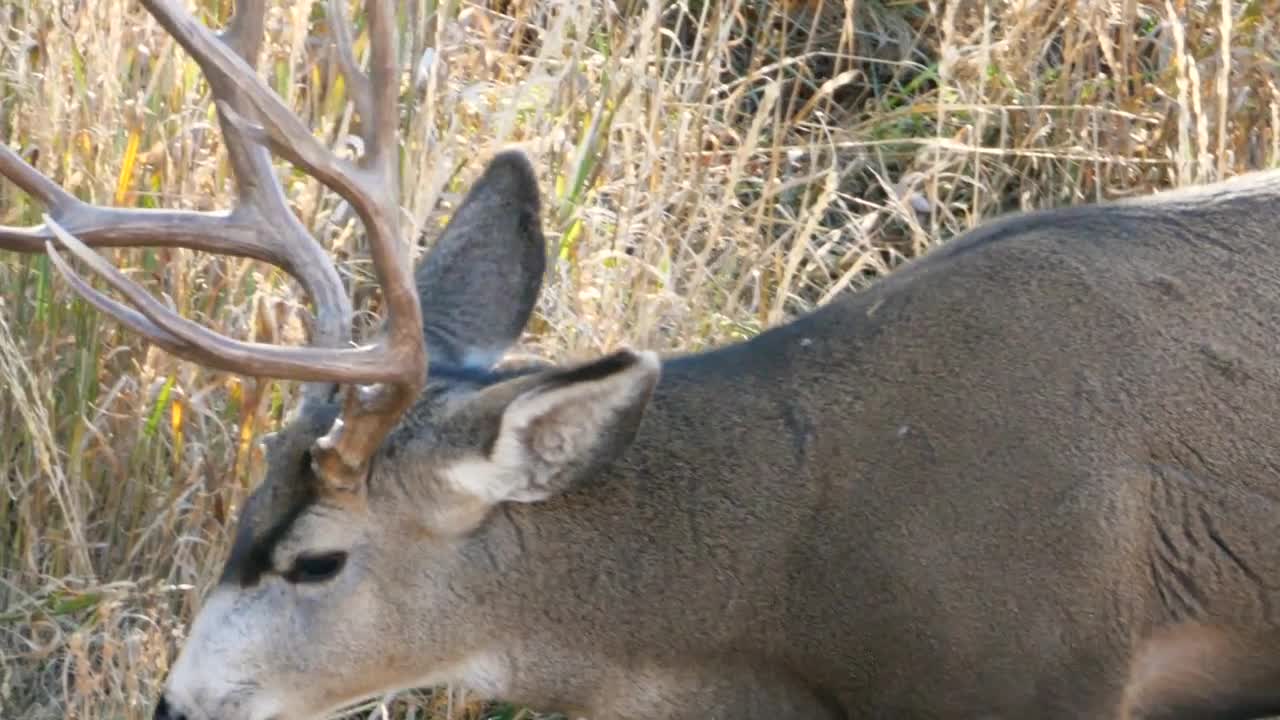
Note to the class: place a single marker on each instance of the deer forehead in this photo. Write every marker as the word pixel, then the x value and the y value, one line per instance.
pixel 282 519
pixel 322 525
pixel 449 434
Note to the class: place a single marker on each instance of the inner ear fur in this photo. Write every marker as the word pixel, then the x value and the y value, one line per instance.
pixel 542 435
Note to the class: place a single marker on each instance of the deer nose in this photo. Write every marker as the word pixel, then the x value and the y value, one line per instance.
pixel 165 712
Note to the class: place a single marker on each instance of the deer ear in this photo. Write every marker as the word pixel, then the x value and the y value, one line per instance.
pixel 562 428
pixel 480 281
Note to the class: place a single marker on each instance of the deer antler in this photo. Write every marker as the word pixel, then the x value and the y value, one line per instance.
pixel 262 226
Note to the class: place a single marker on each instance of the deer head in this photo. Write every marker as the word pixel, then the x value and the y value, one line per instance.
pixel 305 570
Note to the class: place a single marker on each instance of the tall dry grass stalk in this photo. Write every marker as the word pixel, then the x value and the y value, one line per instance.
pixel 710 167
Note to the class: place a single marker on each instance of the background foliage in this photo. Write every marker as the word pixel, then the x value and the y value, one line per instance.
pixel 710 168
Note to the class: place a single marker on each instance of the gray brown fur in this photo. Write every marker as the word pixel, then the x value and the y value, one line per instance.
pixel 1034 473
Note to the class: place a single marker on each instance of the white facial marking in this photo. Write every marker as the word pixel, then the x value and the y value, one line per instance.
pixel 482 358
pixel 229 667
pixel 207 681
pixel 480 479
pixel 486 673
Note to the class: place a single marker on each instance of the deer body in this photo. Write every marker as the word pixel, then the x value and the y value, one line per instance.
pixel 1033 474
pixel 976 489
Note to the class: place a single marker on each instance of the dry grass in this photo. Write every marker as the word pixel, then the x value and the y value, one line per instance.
pixel 710 167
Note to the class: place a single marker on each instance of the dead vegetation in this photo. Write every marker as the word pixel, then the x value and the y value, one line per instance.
pixel 709 167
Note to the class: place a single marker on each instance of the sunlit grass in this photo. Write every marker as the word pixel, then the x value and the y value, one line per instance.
pixel 709 169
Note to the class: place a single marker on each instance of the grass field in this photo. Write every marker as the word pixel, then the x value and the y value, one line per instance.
pixel 710 168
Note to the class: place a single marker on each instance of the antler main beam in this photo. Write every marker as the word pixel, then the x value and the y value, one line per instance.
pixel 263 227
pixel 227 233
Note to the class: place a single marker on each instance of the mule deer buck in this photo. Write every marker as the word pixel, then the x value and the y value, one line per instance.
pixel 1033 474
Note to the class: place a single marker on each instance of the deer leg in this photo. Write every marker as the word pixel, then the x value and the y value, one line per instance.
pixel 1205 672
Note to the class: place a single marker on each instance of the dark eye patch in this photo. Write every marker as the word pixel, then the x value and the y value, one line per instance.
pixel 316 568
pixel 267 518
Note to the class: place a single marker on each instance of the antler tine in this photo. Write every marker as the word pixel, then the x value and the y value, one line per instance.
pixel 199 344
pixel 372 188
pixel 226 233
pixel 129 317
pixel 358 88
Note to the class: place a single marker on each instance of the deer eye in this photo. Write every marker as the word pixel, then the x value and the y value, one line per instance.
pixel 316 568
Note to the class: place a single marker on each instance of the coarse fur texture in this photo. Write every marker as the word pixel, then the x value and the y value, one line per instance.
pixel 1032 474
pixel 126 467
